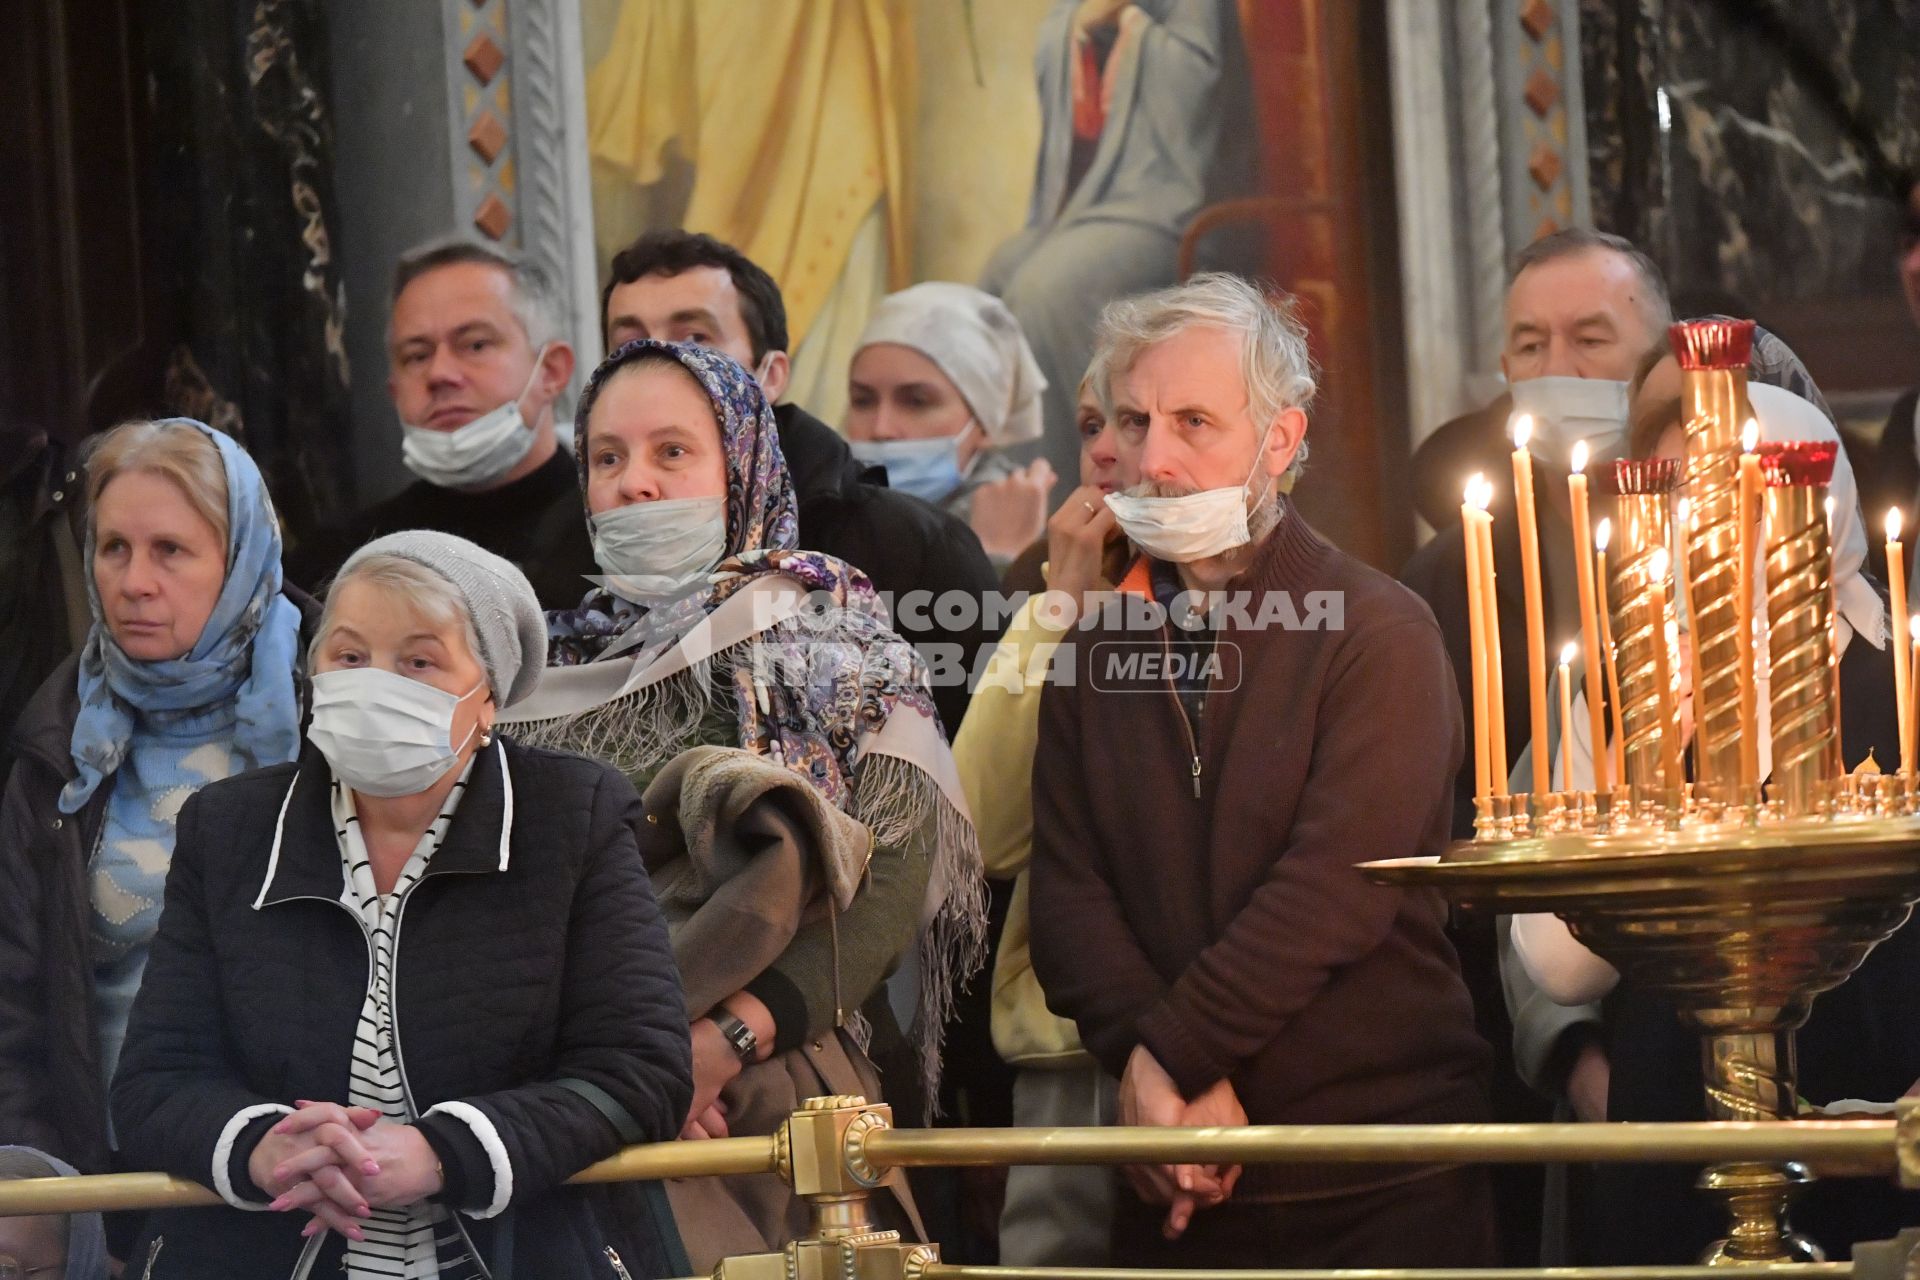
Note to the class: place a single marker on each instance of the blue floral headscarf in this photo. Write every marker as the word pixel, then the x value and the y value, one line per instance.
pixel 247 653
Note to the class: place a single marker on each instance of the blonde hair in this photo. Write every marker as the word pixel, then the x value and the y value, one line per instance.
pixel 177 451
pixel 404 582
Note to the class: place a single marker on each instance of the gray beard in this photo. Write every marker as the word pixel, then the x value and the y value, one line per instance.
pixel 1264 519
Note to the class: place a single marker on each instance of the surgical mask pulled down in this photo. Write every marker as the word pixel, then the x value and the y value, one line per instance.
pixel 1194 526
pixel 478 453
pixel 649 550
pixel 383 734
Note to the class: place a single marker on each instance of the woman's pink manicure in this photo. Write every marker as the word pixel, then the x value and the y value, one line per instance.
pixel 371 1168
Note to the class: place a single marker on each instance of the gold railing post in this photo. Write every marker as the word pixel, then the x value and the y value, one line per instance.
pixel 819 1153
pixel 1906 1142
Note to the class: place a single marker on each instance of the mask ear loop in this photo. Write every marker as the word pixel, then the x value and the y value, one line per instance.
pixel 486 735
pixel 1259 456
pixel 953 442
pixel 539 359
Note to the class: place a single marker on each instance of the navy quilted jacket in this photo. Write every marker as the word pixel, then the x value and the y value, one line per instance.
pixel 531 952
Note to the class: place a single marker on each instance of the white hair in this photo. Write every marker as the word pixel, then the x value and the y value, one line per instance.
pixel 406 582
pixel 1274 358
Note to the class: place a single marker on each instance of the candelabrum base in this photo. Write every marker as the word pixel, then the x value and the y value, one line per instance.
pixel 1739 925
pixel 1757 1197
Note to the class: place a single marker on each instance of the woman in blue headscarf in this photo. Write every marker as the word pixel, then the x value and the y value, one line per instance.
pixel 188 675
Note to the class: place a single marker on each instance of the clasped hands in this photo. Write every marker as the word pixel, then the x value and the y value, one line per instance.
pixel 1148 1096
pixel 341 1163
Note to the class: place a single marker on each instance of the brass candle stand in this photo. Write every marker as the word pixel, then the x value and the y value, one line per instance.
pixel 1740 925
pixel 1738 906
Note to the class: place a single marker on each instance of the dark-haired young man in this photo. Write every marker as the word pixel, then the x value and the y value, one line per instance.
pixel 476 360
pixel 682 287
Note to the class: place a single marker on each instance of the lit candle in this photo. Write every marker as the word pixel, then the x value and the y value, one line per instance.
pixel 1902 641
pixel 1671 779
pixel 1590 604
pixel 1833 667
pixel 1536 616
pixel 1601 537
pixel 1567 656
pixel 1470 511
pixel 1913 680
pixel 1750 484
pixel 1490 626
pixel 1684 599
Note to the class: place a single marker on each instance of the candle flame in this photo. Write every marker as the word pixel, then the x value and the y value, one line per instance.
pixel 1604 534
pixel 1913 626
pixel 1580 457
pixel 1479 492
pixel 1568 653
pixel 1893 524
pixel 1660 564
pixel 1685 512
pixel 1750 436
pixel 1522 430
pixel 1830 510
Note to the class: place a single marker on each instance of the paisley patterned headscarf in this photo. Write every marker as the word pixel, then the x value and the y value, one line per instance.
pixel 811 725
pixel 247 653
pixel 824 687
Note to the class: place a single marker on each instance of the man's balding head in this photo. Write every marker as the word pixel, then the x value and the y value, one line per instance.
pixel 1582 304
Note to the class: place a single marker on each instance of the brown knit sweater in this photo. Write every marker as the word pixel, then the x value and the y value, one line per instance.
pixel 1231 934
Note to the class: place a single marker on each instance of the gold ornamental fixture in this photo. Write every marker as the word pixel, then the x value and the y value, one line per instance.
pixel 1738 895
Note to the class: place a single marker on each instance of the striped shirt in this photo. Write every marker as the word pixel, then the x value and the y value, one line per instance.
pixel 422 1240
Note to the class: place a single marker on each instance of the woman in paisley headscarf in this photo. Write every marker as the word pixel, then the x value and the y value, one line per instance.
pixel 816 738
pixel 190 674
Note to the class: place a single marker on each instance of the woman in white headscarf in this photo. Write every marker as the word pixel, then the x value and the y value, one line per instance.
pixel 943 383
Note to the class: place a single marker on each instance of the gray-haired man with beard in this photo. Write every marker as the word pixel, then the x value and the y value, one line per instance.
pixel 1202 793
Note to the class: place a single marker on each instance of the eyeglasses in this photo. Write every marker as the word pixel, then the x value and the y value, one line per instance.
pixel 11 1268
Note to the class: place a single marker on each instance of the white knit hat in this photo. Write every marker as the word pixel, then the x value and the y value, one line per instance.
pixel 506 613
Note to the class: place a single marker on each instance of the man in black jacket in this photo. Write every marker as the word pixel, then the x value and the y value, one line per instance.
pixel 681 287
pixel 477 360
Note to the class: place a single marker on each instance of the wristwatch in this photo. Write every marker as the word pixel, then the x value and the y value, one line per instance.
pixel 746 1045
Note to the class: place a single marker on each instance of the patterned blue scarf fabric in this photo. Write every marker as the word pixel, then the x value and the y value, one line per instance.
pixel 247 655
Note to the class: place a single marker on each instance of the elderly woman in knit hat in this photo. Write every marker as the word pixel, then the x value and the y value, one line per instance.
pixel 942 385
pixel 406 986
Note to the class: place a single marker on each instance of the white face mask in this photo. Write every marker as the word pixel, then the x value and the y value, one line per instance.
pixel 653 549
pixel 1195 527
pixel 383 734
pixel 475 454
pixel 1566 411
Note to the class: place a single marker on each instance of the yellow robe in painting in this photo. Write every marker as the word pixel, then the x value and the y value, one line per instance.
pixel 790 113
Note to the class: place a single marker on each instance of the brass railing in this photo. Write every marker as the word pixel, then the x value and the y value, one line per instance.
pixel 835 1151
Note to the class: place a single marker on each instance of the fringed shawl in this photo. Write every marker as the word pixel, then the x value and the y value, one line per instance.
pixel 795 646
